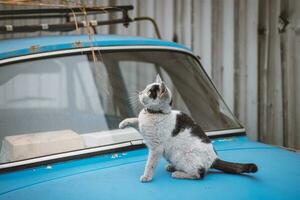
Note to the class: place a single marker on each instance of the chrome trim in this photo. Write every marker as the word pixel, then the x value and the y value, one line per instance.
pixel 225 132
pixel 101 148
pixel 62 155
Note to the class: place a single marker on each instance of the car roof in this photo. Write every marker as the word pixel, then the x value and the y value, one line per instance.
pixel 25 46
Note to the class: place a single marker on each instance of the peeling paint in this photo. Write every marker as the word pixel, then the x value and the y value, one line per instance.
pixel 226 140
pixel 49 167
pixel 118 155
pixel 115 155
pixel 77 44
pixel 34 48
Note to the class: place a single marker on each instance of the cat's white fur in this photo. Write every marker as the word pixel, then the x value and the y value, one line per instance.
pixel 185 152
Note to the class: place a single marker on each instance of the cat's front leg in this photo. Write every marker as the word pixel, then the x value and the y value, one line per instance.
pixel 151 164
pixel 133 122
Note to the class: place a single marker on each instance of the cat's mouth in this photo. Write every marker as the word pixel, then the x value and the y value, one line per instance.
pixel 142 100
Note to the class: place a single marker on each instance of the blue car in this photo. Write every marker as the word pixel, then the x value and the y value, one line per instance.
pixel 62 98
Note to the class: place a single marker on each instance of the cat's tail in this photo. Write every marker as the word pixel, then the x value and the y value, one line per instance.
pixel 234 168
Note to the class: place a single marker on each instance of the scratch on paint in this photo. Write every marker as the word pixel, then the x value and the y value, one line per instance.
pixel 226 140
pixel 116 155
pixel 49 167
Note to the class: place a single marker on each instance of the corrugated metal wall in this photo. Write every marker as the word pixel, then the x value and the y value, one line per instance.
pixel 249 48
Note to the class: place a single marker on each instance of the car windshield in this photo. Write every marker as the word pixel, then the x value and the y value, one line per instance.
pixel 69 102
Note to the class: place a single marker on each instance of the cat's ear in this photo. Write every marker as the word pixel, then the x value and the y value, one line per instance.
pixel 171 102
pixel 163 87
pixel 158 79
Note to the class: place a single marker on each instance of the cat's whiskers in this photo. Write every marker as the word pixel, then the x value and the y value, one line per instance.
pixel 134 101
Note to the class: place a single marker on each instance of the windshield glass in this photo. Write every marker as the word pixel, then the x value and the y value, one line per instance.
pixel 64 103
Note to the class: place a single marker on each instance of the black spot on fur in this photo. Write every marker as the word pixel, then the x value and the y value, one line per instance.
pixel 153 91
pixel 171 102
pixel 201 172
pixel 183 121
pixel 154 111
pixel 171 168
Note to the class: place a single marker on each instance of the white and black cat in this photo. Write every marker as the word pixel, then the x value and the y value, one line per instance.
pixel 175 136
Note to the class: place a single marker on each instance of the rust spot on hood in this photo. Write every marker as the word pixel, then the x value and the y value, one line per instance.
pixel 77 44
pixel 34 48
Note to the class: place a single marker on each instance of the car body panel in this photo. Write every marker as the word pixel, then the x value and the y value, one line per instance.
pixel 27 46
pixel 116 176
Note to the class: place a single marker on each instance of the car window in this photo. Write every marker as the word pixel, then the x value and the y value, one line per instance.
pixel 136 71
pixel 73 101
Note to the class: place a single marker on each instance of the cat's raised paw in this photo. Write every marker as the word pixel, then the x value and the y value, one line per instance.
pixel 145 179
pixel 123 124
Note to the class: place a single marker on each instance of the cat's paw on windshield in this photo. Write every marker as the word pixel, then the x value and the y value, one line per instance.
pixel 123 124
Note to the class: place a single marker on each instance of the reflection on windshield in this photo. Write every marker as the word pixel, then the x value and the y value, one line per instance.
pixel 73 93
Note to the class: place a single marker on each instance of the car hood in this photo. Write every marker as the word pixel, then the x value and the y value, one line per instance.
pixel 116 176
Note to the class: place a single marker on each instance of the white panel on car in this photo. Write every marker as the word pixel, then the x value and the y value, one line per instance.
pixel 20 147
pixel 110 137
